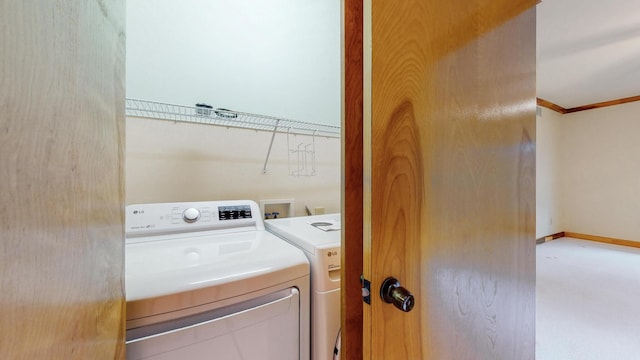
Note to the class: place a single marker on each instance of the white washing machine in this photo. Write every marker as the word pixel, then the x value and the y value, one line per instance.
pixel 319 237
pixel 204 280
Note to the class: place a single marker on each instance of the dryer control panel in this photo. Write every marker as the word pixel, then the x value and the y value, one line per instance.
pixel 167 218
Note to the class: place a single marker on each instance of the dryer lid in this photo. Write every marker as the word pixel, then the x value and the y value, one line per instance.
pixel 206 268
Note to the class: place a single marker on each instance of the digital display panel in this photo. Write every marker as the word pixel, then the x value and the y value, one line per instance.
pixel 234 212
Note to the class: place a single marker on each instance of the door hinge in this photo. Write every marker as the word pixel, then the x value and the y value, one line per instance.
pixel 366 289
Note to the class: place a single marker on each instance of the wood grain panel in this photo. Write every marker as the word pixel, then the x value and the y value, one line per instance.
pixel 453 178
pixel 352 153
pixel 61 184
pixel 398 214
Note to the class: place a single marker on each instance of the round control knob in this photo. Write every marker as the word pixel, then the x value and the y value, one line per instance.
pixel 191 215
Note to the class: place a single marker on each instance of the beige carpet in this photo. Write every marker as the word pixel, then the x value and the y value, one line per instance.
pixel 587 301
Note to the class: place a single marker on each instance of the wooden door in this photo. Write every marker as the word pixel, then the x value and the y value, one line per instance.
pixel 61 180
pixel 450 177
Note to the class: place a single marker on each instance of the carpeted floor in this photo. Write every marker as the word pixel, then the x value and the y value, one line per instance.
pixel 587 301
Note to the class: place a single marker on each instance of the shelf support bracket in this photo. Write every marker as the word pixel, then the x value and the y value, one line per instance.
pixel 273 136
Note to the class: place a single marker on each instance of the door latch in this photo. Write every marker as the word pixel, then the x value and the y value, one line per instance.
pixel 366 289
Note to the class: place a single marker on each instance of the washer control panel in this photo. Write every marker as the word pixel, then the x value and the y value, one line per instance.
pixel 160 218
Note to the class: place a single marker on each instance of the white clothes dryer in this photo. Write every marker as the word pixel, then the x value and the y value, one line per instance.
pixel 319 237
pixel 205 280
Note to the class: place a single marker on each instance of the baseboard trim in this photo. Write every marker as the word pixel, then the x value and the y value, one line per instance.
pixel 544 239
pixel 603 239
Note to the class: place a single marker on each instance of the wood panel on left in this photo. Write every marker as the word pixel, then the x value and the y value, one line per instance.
pixel 61 183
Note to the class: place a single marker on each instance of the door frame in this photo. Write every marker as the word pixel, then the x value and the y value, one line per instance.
pixel 352 178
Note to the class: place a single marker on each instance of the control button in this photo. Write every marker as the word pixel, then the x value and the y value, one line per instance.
pixel 191 215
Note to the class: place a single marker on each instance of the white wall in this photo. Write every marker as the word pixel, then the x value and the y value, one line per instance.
pixel 548 168
pixel 600 176
pixel 168 161
pixel 278 57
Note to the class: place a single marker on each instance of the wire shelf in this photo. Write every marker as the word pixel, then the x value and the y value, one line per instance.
pixel 227 118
